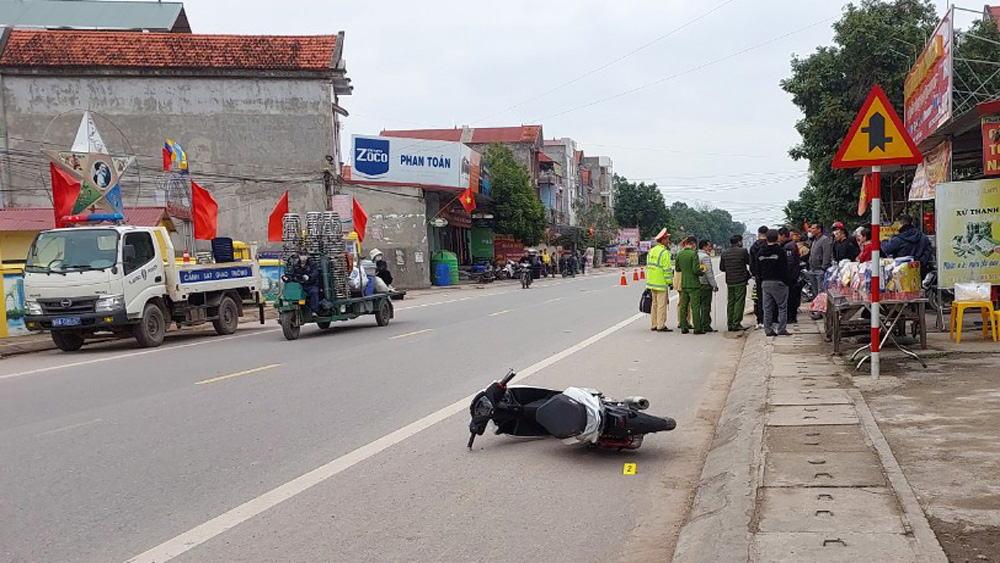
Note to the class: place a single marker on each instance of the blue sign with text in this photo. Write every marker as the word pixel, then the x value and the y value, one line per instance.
pixel 371 156
pixel 234 272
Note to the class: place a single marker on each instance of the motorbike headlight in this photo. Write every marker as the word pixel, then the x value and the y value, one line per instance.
pixel 32 308
pixel 109 304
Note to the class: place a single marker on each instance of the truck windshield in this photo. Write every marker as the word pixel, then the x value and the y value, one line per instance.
pixel 73 250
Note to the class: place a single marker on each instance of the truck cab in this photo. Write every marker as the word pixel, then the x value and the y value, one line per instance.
pixel 125 280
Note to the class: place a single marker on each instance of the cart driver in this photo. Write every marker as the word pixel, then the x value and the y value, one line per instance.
pixel 306 271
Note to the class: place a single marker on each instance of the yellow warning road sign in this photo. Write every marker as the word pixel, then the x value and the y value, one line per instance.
pixel 877 137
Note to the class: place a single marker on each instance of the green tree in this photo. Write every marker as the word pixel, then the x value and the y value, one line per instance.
pixel 601 220
pixel 874 42
pixel 640 205
pixel 519 212
pixel 704 222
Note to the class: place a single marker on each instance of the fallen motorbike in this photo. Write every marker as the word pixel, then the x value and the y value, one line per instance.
pixel 585 415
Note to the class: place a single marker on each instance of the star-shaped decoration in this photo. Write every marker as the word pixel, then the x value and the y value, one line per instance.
pixel 98 172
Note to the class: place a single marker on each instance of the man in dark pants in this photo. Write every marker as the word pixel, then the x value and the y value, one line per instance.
pixel 735 262
pixel 772 270
pixel 305 270
pixel 794 288
pixel 687 265
pixel 758 302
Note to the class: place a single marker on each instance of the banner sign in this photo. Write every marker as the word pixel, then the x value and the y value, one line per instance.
pixel 415 161
pixel 195 276
pixel 968 232
pixel 931 172
pixel 927 92
pixel 507 248
pixel 628 237
pixel 645 245
pixel 991 145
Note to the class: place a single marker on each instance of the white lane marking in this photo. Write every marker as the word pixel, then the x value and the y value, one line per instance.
pixel 237 374
pixel 552 300
pixel 414 333
pixel 505 311
pixel 228 520
pixel 209 340
pixel 70 427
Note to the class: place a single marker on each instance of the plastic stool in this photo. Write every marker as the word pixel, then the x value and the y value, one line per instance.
pixel 958 311
pixel 996 326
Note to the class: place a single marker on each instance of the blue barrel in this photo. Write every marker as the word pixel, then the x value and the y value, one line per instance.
pixel 442 274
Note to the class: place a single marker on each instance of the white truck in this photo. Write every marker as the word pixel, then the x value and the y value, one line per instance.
pixel 125 280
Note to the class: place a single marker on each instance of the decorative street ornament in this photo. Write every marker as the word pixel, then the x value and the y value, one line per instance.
pixel 98 172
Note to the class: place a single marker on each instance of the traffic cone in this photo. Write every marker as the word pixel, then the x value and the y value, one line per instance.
pixel 642 273
pixel 624 281
pixel 635 274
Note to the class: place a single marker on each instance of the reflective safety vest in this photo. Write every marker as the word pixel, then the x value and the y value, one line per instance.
pixel 660 273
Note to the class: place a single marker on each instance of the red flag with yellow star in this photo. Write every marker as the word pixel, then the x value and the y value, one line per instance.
pixel 468 200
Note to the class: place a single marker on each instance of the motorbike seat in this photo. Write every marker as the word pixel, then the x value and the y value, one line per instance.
pixel 562 416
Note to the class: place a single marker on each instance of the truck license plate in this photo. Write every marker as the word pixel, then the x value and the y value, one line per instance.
pixel 66 321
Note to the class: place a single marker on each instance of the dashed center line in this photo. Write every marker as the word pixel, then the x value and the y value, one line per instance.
pixel 414 333
pixel 237 374
pixel 505 311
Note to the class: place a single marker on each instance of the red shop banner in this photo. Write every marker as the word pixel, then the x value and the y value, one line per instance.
pixel 991 145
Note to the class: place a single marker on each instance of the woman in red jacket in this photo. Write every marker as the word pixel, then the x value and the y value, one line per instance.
pixel 865 242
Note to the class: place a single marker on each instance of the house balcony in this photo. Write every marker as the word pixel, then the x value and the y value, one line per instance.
pixel 549 178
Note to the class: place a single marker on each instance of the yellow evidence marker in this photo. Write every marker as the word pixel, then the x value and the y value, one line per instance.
pixel 629 469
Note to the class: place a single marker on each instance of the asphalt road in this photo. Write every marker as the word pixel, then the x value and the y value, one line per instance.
pixel 349 444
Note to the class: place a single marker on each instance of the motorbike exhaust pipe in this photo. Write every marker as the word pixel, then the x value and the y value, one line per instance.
pixel 639 403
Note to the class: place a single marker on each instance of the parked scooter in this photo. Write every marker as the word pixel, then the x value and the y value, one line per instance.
pixel 509 271
pixel 585 415
pixel 806 283
pixel 938 300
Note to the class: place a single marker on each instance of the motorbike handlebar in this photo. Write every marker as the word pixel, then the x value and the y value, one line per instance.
pixel 510 375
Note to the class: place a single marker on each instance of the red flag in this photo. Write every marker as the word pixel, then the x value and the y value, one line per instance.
pixel 274 222
pixel 468 199
pixel 864 198
pixel 360 221
pixel 205 211
pixel 166 159
pixel 64 193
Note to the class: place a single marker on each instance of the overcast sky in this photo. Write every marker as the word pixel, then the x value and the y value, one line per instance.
pixel 707 121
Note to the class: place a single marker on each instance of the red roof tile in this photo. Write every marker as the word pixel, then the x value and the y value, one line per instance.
pixel 995 14
pixel 41 218
pixel 542 157
pixel 43 48
pixel 480 135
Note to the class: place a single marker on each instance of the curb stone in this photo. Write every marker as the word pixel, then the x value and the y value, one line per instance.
pixel 718 526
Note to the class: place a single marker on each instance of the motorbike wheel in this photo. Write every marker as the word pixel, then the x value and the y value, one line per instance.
pixel 289 325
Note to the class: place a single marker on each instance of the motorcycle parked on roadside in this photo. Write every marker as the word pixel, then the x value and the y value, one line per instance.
pixel 582 414
pixel 508 271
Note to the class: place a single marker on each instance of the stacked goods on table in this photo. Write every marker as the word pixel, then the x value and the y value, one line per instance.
pixel 900 279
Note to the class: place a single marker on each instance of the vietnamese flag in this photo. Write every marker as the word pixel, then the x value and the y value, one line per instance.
pixel 64 193
pixel 275 221
pixel 166 159
pixel 205 211
pixel 360 220
pixel 864 197
pixel 468 200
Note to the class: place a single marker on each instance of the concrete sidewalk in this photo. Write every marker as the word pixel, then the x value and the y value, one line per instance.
pixel 800 471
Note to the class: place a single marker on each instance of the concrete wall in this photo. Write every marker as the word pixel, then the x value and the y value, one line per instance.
pixel 397 225
pixel 263 135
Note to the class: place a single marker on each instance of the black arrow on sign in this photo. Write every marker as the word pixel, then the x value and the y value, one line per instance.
pixel 876 133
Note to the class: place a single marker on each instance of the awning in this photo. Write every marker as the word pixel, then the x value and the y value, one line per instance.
pixel 43 218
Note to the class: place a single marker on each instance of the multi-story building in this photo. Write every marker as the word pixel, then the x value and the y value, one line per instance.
pixel 93 15
pixel 563 153
pixel 601 180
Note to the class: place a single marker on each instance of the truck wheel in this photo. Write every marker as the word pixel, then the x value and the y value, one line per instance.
pixel 323 325
pixel 289 326
pixel 67 341
pixel 229 317
pixel 151 328
pixel 384 312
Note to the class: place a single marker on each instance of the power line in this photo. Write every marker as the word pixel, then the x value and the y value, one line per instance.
pixel 609 64
pixel 688 71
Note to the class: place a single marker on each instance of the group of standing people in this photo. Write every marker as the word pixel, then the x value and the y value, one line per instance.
pixel 696 277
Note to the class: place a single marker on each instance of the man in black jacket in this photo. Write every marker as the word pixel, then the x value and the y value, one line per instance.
pixel 791 249
pixel 772 270
pixel 735 262
pixel 910 242
pixel 758 307
pixel 843 247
